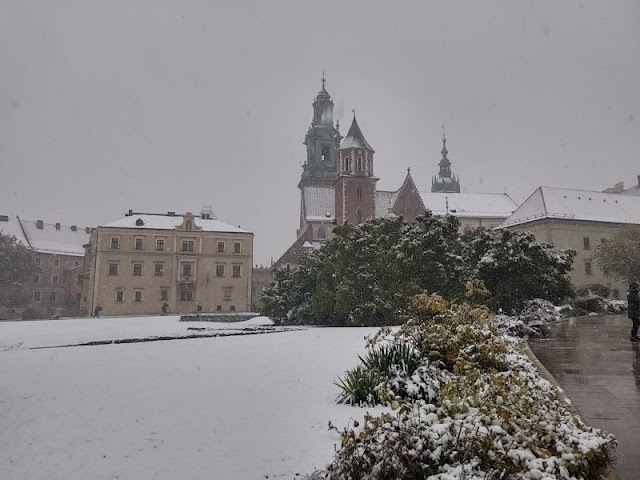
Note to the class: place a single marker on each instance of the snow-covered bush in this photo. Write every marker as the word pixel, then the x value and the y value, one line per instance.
pixel 615 306
pixel 532 321
pixel 487 413
pixel 366 274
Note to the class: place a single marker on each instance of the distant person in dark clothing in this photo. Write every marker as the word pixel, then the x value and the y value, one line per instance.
pixel 165 306
pixel 96 311
pixel 633 310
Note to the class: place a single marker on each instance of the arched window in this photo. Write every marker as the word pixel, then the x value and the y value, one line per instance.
pixel 359 192
pixel 359 217
pixel 359 163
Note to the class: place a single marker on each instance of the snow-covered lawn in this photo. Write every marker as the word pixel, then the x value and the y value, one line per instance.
pixel 238 407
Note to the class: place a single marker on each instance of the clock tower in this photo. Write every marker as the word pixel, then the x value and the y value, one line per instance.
pixel 322 142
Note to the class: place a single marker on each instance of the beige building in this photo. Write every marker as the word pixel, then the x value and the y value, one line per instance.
pixel 192 263
pixel 580 220
pixel 54 290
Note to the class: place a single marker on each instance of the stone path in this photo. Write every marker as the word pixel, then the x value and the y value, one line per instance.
pixel 599 369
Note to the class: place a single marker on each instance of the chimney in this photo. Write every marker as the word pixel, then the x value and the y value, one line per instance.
pixel 4 218
pixel 171 214
pixel 57 226
pixel 39 224
pixel 87 230
pixel 74 228
pixel 130 213
pixel 639 180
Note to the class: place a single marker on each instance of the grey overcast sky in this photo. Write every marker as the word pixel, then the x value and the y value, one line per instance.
pixel 165 105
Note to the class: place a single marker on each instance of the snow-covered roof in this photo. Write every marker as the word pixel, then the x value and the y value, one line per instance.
pixel 319 203
pixel 635 190
pixel 50 238
pixel 355 138
pixel 385 201
pixel 152 221
pixel 470 205
pixel 567 203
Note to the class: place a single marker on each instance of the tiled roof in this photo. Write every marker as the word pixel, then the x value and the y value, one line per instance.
pixel 470 205
pixel 319 203
pixel 355 138
pixel 152 221
pixel 64 240
pixel 384 203
pixel 566 203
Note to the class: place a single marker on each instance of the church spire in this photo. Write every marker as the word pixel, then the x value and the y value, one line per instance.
pixel 446 181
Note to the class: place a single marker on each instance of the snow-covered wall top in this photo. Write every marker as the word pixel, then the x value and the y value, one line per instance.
pixel 586 205
pixel 166 222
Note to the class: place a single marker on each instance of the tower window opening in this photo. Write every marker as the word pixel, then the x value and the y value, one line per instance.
pixel 325 154
pixel 359 163
pixel 359 192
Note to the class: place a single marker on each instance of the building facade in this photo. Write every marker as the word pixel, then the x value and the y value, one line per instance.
pixel 55 289
pixel 135 265
pixel 580 220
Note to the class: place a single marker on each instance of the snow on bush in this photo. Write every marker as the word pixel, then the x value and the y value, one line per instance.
pixel 471 406
pixel 532 321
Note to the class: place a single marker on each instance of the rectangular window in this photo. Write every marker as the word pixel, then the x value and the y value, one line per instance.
pixel 218 308
pixel 219 270
pixel 139 243
pixel 187 245
pixel 54 279
pixel 36 296
pixel 56 261
pixel 119 295
pixel 52 297
pixel 113 269
pixel 186 295
pixel 587 268
pixel 137 269
pixel 115 243
pixel 138 296
pixel 36 278
pixel 160 244
pixel 186 269
pixel 220 247
pixel 236 270
pixel 227 293
pixel 236 247
pixel 159 269
pixel 199 308
pixel 587 243
pixel 38 261
pixel 164 294
pixel 232 308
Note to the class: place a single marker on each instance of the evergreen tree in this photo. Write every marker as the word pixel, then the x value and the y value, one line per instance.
pixel 17 266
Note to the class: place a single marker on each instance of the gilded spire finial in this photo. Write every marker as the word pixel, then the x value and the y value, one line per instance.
pixel 323 80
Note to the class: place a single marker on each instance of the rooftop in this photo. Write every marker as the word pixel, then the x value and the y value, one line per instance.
pixel 469 205
pixel 53 238
pixel 586 205
pixel 169 221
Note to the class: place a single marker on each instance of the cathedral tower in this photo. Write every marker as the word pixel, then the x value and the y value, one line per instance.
pixel 445 182
pixel 322 141
pixel 355 188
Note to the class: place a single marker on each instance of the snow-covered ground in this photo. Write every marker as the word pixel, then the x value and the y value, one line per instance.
pixel 237 407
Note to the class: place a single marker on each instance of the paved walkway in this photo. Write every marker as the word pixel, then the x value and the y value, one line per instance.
pixel 599 369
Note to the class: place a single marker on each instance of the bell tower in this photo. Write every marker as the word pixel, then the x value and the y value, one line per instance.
pixel 355 188
pixel 445 182
pixel 322 142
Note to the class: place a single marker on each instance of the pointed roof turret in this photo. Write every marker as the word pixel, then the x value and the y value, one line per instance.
pixel 355 138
